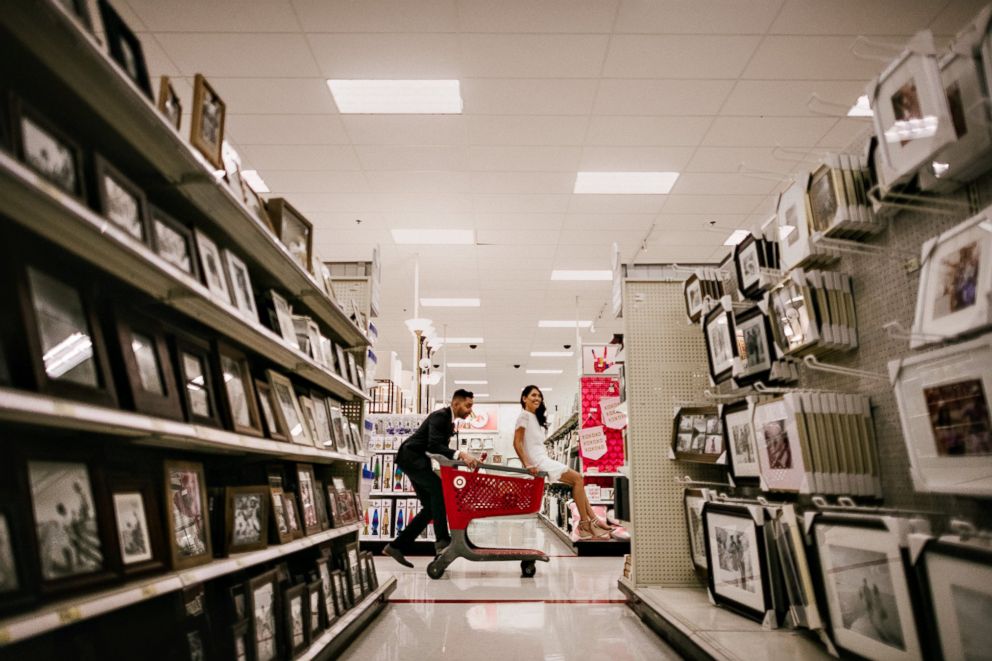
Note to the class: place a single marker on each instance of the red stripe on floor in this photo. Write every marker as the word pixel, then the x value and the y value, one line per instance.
pixel 508 601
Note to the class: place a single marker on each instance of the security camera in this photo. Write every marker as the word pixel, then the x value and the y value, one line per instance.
pixel 516 366
pixel 567 346
pixel 473 346
pixel 437 367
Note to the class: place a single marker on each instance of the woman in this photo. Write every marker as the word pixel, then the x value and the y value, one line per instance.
pixel 528 441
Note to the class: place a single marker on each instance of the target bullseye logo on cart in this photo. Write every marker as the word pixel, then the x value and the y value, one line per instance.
pixel 460 482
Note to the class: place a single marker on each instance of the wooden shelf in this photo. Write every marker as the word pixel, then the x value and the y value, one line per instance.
pixel 42 410
pixel 54 38
pixel 339 628
pixel 45 210
pixel 62 613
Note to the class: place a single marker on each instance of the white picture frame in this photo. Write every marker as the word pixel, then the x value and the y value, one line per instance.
pixel 739 439
pixel 212 267
pixel 284 319
pixel 243 295
pixel 792 218
pixel 780 453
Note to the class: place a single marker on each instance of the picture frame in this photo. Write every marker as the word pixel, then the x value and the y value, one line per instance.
pixel 333 507
pixel 47 150
pixel 173 241
pixel 369 571
pixel 322 418
pixel 292 515
pixel 188 524
pixel 267 411
pixel 240 640
pixel 280 527
pixel 263 606
pixel 286 408
pixel 195 377
pixel 315 598
pixel 207 123
pixel 144 363
pixel 827 198
pixel 246 519
pixel 342 599
pixel 120 200
pixel 753 347
pixel 955 292
pixel 792 215
pixel 748 262
pixel 169 104
pixel 697 435
pixel 309 418
pixel 737 563
pixel 781 454
pixel 738 434
pixel 793 317
pixel 237 389
pixel 232 170
pixel 866 596
pixel 140 543
pixel 943 398
pixel 306 488
pixel 238 595
pixel 352 372
pixel 242 294
pixel 788 537
pixel 124 48
pixel 256 205
pixel 293 230
pixel 720 336
pixel 693 501
pixel 693 292
pixel 212 268
pixel 351 563
pixel 342 364
pixel 327 592
pixel 17 585
pixel 284 320
pixel 339 429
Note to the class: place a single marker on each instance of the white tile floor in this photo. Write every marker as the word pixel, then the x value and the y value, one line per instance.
pixel 572 609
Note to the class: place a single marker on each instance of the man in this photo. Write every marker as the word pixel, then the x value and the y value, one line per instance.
pixel 432 437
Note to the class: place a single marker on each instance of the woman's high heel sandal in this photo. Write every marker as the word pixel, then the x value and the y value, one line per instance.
pixel 586 531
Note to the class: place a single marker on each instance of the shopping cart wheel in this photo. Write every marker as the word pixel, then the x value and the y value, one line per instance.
pixel 435 570
pixel 528 568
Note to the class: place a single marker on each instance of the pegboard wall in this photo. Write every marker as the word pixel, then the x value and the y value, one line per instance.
pixel 357 290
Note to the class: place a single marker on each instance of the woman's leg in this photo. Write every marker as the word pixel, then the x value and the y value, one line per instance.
pixel 587 521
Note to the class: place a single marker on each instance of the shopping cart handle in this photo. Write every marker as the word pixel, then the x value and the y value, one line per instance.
pixel 454 463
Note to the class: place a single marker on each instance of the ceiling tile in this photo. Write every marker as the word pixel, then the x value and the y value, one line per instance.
pixel 517 221
pixel 696 17
pixel 635 159
pixel 572 256
pixel 412 157
pixel 573 16
pixel 390 56
pixel 281 182
pixel 502 204
pixel 792 97
pixel 848 134
pixel 532 56
pixel 216 16
pixel 526 130
pixel 809 58
pixel 604 236
pixel 289 96
pixel 216 55
pixel 661 97
pixel 711 204
pixel 697 56
pixel 692 183
pixel 955 15
pixel 528 96
pixel 524 158
pixel 759 131
pixel 616 203
pixel 881 17
pixel 405 129
pixel 698 222
pixel 419 181
pixel 377 15
pixel 644 131
pixel 527 183
pixel 599 221
pixel 156 59
pixel 678 254
pixel 668 237
pixel 734 159
pixel 516 237
pixel 279 129
pixel 301 157
pixel 428 220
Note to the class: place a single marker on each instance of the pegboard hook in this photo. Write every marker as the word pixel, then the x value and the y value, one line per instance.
pixel 831 108
pixel 769 175
pixel 791 155
pixel 740 394
pixel 814 363
pixel 771 390
pixel 896 331
pixel 832 245
pixel 911 202
pixel 688 269
pixel 857 49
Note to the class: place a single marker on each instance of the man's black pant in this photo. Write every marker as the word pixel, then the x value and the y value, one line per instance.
pixel 427 485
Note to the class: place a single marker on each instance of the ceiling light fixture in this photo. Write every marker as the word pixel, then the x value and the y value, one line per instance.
pixel 434 237
pixel 563 323
pixel 466 364
pixel 736 237
pixel 480 394
pixel 255 181
pixel 861 108
pixel 565 274
pixel 407 97
pixel 625 183
pixel 450 302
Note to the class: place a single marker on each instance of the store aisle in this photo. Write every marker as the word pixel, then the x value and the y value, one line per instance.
pixel 572 609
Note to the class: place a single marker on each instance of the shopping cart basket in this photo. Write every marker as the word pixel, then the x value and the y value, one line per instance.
pixel 472 495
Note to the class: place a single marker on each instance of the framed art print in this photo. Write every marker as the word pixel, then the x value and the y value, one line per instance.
pixel 739 435
pixel 748 260
pixel 735 554
pixel 322 420
pixel 266 407
pixel 207 125
pixel 955 294
pixel 263 599
pixel 327 589
pixel 287 409
pixel 793 317
pixel 315 603
pixel 944 407
pixel 693 292
pixel 698 435
pixel 827 201
pixel 309 418
pixel 46 150
pixel 169 104
pixel 351 563
pixel 120 200
pixel 144 362
pixel 866 595
pixel 188 527
pixel 753 347
pixel 246 518
pixel 125 47
pixel 237 390
pixel 213 268
pixel 693 501
pixel 293 231
pixel 780 452
pixel 720 336
pixel 793 224
pixel 342 600
pixel 244 296
pixel 277 505
pixel 137 523
pixel 174 242
pixel 196 380
pixel 291 514
pixel 307 488
pixel 284 320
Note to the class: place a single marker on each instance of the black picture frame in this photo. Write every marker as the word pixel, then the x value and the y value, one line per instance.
pixel 745 475
pixel 739 511
pixel 231 520
pixel 18 585
pixel 166 232
pixel 135 331
pixel 296 641
pixel 225 359
pixel 240 640
pixel 324 574
pixel 316 603
pixel 753 318
pixel 693 305
pixel 342 597
pixel 351 564
pixel 743 266
pixel 28 126
pixel 122 490
pixel 372 578
pixel 190 350
pixel 711 322
pixel 104 173
pixel 695 530
pixel 264 602
pixel 124 48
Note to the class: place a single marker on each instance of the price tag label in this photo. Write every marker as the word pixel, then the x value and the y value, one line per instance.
pixel 611 415
pixel 67 615
pixel 593 442
pixel 149 591
pixel 5 636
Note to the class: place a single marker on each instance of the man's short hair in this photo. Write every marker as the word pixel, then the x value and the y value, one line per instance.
pixel 461 393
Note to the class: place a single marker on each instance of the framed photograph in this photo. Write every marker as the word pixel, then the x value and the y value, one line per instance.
pixel 263 606
pixel 957 579
pixel 352 372
pixel 307 489
pixel 143 360
pixel 339 584
pixel 137 522
pixel 333 507
pixel 736 558
pixel 15 586
pixel 955 294
pixel 322 419
pixel 120 200
pixel 241 640
pixel 693 500
pixel 238 602
pixel 352 565
pixel 284 320
pixel 291 514
pixel 315 602
pixel 327 592
pixel 368 570
pixel 867 597
pixel 212 268
pixel 196 380
pixel 748 260
pixel 792 217
pixel 787 536
pixel 186 514
pixel 720 335
pixel 739 435
pixel 247 517
pixel 244 296
pixel 780 453
pixel 238 390
pixel 169 104
pixel 339 426
pixel 693 292
pixel 125 48
pixel 293 231
pixel 911 116
pixel 280 526
pixel 46 150
pixel 792 314
pixel 207 125
pixel 342 364
pixel 287 409
pixel 944 407
pixel 309 418
pixel 257 206
pixel 232 168
pixel 753 347
pixel 355 439
pixel 697 435
pixel 174 242
pixel 267 407
pixel 827 200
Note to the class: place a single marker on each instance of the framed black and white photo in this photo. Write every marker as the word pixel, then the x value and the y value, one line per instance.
pixel 188 528
pixel 291 515
pixel 213 268
pixel 327 592
pixel 736 558
pixel 339 426
pixel 196 380
pixel 237 390
pixel 342 599
pixel 792 315
pixel 309 418
pixel 280 527
pixel 780 453
pixel 120 200
pixel 207 124
pixel 174 242
pixel 263 599
pixel 287 409
pixel 827 200
pixel 748 261
pixel 307 490
pixel 351 563
pixel 739 438
pixel 143 359
pixel 244 295
pixel 792 217
pixel 955 294
pixel 169 104
pixel 266 408
pixel 866 595
pixel 944 407
pixel 698 435
pixel 139 531
pixel 293 231
pixel 247 518
pixel 693 501
pixel 125 48
pixel 47 150
pixel 720 336
pixel 322 420
pixel 284 320
pixel 753 347
pixel 693 292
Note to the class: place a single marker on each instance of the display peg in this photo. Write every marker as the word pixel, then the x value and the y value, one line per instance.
pixel 686 481
pixel 768 175
pixel 968 532
pixel 910 202
pixel 846 246
pixel 820 106
pixel 896 331
pixel 740 394
pixel 814 363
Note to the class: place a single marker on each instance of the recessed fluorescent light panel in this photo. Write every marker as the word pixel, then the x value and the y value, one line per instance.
pixel 544 371
pixel 450 302
pixel 471 383
pixel 542 389
pixel 736 237
pixel 552 354
pixel 254 179
pixel 481 394
pixel 466 364
pixel 861 108
pixel 462 340
pixel 625 183
pixel 434 237
pixel 581 275
pixel 563 323
pixel 405 97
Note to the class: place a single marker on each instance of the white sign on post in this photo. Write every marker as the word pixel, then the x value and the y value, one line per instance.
pixel 610 413
pixel 593 442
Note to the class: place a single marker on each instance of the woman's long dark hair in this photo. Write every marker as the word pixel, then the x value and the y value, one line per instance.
pixel 542 410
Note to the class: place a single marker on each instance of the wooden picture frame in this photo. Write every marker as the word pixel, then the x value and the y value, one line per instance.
pixel 292 515
pixel 240 640
pixel 334 512
pixel 174 242
pixel 793 317
pixel 697 435
pixel 137 522
pixel 342 596
pixel 246 517
pixel 169 104
pixel 287 409
pixel 315 600
pixel 320 495
pixel 145 365
pixel 327 588
pixel 296 619
pixel 280 528
pixel 267 411
pixel 283 322
pixel 306 488
pixel 293 230
pixel 212 269
pixel 263 607
pixel 242 294
pixel 188 524
pixel 310 418
pixel 322 419
pixel 195 377
pixel 207 125
pixel 737 562
pixel 120 200
pixel 237 389
pixel 351 563
pixel 47 150
pixel 125 48
pixel 371 575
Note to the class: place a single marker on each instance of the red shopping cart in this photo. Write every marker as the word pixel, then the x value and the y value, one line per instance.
pixel 472 495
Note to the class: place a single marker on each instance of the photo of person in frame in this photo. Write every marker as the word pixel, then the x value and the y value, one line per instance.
pixel 959 418
pixel 958 280
pixel 777 442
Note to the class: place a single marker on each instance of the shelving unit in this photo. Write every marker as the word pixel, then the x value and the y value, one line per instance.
pixel 334 640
